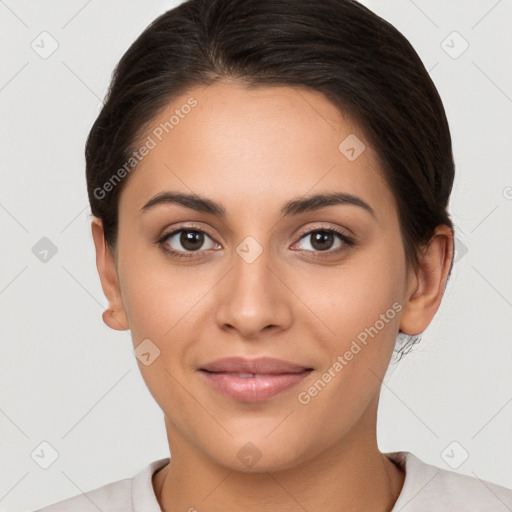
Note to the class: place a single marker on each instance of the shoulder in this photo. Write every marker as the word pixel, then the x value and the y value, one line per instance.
pixel 121 496
pixel 113 497
pixel 427 487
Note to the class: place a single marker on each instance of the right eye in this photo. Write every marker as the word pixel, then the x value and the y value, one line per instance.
pixel 190 239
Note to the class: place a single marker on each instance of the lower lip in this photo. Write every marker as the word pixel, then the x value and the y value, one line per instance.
pixel 253 389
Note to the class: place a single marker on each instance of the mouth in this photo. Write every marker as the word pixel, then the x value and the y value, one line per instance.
pixel 253 380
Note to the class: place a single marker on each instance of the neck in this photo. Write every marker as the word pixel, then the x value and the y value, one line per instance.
pixel 350 475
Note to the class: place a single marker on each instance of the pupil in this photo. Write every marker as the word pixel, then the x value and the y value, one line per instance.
pixel 191 240
pixel 322 240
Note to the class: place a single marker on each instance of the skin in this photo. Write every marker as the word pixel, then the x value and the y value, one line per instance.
pixel 252 150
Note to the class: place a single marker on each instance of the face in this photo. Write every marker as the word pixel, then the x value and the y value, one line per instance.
pixel 265 273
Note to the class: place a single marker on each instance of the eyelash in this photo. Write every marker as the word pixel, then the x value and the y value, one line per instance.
pixel 347 241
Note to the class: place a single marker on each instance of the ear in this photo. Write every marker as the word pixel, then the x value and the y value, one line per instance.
pixel 115 316
pixel 426 285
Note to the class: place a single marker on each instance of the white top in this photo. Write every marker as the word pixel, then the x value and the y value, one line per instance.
pixel 426 488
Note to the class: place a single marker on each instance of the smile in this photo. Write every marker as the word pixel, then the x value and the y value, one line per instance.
pixel 251 387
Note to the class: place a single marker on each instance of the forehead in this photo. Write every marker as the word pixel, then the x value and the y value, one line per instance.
pixel 253 146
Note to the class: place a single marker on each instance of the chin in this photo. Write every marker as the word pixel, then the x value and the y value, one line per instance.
pixel 260 456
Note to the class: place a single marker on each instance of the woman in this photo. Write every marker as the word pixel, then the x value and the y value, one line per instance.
pixel 269 182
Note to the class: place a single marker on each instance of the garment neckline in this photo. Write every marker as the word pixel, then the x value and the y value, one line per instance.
pixel 143 491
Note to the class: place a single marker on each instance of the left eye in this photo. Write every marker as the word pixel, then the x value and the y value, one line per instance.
pixel 323 240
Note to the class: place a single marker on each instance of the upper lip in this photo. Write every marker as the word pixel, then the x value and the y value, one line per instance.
pixel 268 365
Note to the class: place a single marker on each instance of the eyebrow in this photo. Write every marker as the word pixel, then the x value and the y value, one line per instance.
pixel 293 207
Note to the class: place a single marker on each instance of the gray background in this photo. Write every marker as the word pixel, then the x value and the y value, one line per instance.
pixel 68 380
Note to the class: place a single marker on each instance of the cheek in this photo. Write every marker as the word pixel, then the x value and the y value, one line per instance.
pixel 353 296
pixel 362 308
pixel 361 304
pixel 156 295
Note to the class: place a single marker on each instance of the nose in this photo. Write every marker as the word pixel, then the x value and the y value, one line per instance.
pixel 253 299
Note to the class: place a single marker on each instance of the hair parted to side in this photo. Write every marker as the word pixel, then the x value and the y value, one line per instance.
pixel 357 60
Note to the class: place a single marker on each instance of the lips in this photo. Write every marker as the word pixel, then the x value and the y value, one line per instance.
pixel 262 365
pixel 253 380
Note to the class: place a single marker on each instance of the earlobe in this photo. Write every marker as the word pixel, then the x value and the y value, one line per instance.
pixel 115 316
pixel 109 319
pixel 427 284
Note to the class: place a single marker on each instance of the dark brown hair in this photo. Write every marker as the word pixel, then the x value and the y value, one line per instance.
pixel 359 61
